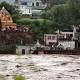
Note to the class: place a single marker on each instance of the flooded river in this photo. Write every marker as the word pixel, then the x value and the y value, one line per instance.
pixel 40 67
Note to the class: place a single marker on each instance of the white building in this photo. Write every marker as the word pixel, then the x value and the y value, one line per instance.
pixel 50 39
pixel 53 38
pixel 63 39
pixel 31 7
pixel 67 45
pixel 28 7
pixel 23 50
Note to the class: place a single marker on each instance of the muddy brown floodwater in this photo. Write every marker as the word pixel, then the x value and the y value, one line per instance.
pixel 40 67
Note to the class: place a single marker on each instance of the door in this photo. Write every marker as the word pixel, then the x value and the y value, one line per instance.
pixel 23 51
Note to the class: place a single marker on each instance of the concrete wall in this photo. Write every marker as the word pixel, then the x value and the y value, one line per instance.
pixel 67 44
pixel 20 48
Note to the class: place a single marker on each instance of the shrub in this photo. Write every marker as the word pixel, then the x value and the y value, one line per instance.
pixel 18 77
pixel 8 49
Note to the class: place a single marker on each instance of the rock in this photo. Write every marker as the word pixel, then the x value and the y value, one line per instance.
pixel 7 75
pixel 77 69
pixel 18 66
pixel 31 64
pixel 59 77
pixel 43 69
pixel 64 63
pixel 38 70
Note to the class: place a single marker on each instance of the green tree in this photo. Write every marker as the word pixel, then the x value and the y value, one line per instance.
pixel 73 12
pixel 57 14
pixel 64 15
pixel 41 27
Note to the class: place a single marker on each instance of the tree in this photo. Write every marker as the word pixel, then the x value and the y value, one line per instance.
pixel 57 14
pixel 64 15
pixel 41 27
pixel 73 12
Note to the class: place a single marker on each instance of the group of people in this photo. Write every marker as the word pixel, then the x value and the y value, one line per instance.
pixel 20 29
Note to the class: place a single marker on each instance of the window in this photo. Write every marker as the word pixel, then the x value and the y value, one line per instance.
pixel 23 51
pixel 29 10
pixel 37 3
pixel 23 3
pixel 53 37
pixel 32 4
pixel 49 37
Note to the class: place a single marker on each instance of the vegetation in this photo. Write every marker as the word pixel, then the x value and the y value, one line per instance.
pixel 73 12
pixel 38 26
pixel 18 77
pixel 64 15
pixel 8 49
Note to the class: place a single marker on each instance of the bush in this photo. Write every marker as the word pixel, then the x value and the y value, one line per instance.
pixel 19 77
pixel 8 49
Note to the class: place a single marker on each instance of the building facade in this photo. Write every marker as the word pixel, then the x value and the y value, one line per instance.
pixel 54 38
pixel 29 7
pixel 67 45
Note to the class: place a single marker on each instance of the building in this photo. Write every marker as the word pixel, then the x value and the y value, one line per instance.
pixel 32 7
pixel 6 19
pixel 22 50
pixel 29 7
pixel 50 39
pixel 60 40
pixel 67 44
pixel 54 38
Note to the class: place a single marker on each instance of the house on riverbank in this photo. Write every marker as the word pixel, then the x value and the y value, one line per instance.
pixel 61 39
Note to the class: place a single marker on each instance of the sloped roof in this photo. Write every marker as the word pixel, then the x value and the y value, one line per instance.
pixel 3 10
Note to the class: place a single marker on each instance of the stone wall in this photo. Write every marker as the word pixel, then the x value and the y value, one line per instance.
pixel 12 37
